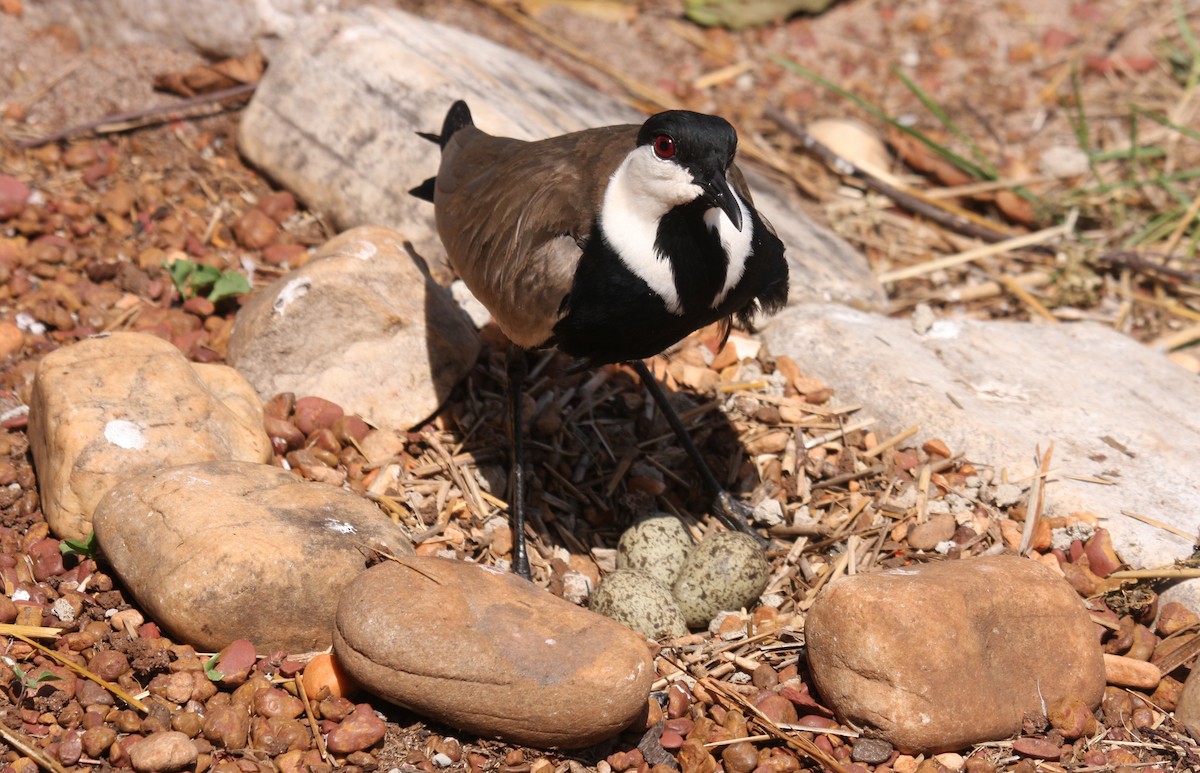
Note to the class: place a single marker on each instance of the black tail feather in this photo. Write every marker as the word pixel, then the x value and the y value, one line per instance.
pixel 457 117
pixel 424 190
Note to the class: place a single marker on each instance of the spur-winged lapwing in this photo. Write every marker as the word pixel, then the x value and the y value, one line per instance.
pixel 610 244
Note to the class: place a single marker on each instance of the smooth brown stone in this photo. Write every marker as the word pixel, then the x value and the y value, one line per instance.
pixel 941 656
pixel 489 653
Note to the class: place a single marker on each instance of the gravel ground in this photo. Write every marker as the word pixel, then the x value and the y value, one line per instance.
pixel 86 255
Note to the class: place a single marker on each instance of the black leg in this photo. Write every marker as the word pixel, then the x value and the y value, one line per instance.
pixel 517 368
pixel 732 512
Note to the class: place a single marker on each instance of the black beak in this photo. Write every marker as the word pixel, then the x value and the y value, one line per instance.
pixel 718 193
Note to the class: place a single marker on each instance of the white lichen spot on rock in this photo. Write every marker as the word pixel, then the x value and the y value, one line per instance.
pixel 124 434
pixel 293 290
pixel 945 328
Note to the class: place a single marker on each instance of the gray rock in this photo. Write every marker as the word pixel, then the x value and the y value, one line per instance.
pixel 218 28
pixel 230 550
pixel 335 117
pixel 361 325
pixel 996 390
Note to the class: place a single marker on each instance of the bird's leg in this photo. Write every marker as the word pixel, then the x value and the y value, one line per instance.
pixel 732 512
pixel 517 369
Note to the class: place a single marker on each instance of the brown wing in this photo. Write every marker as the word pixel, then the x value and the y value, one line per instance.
pixel 512 215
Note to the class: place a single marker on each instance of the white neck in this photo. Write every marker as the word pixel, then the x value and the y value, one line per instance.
pixel 737 244
pixel 640 192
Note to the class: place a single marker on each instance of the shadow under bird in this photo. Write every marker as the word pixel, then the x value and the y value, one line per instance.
pixel 611 244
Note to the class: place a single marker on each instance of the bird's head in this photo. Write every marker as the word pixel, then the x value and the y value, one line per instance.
pixel 683 156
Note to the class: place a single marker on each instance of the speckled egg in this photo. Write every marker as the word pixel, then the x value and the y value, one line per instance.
pixel 725 571
pixel 640 602
pixel 656 545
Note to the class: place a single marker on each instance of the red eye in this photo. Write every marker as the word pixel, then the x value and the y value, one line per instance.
pixel 664 146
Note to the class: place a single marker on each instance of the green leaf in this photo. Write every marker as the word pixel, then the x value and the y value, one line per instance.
pixel 74 547
pixel 179 272
pixel 204 276
pixel 227 285
pixel 210 669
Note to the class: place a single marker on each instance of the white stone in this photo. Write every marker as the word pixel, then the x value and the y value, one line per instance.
pixel 997 391
pixel 372 333
pixel 335 120
pixel 218 28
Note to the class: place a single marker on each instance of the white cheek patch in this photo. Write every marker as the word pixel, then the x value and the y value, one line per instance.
pixel 639 193
pixel 737 244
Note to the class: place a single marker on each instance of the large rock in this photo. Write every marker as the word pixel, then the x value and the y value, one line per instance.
pixel 230 550
pixel 335 120
pixel 212 27
pixel 361 325
pixel 942 656
pixel 994 391
pixel 489 653
pixel 113 406
pixel 1187 710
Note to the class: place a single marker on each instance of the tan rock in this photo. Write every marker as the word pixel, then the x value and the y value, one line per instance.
pixel 1187 710
pixel 11 340
pixel 489 653
pixel 946 655
pixel 361 325
pixel 113 406
pixel 164 752
pixel 220 551
pixel 927 535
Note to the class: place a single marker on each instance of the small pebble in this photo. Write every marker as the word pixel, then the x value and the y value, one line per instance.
pixel 872 751
pixel 164 752
pixel 1038 748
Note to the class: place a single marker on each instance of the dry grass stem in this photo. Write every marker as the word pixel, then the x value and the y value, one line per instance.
pixel 18 742
pixel 985 251
pixel 86 674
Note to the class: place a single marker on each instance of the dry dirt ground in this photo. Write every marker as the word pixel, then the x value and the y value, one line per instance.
pixel 1018 83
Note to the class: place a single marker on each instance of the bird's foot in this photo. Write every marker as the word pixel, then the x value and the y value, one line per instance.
pixel 736 514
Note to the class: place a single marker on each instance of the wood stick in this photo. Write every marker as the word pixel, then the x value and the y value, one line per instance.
pixel 952 218
pixel 99 124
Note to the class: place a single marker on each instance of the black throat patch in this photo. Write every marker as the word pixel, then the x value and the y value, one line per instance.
pixel 698 260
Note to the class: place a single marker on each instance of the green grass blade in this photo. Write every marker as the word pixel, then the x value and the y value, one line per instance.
pixel 948 123
pixel 960 162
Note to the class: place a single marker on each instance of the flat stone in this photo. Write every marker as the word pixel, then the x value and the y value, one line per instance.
pixel 945 655
pixel 487 652
pixel 219 551
pixel 217 28
pixel 112 406
pixel 994 391
pixel 335 116
pixel 361 325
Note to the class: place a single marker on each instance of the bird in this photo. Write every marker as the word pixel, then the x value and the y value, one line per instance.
pixel 610 244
